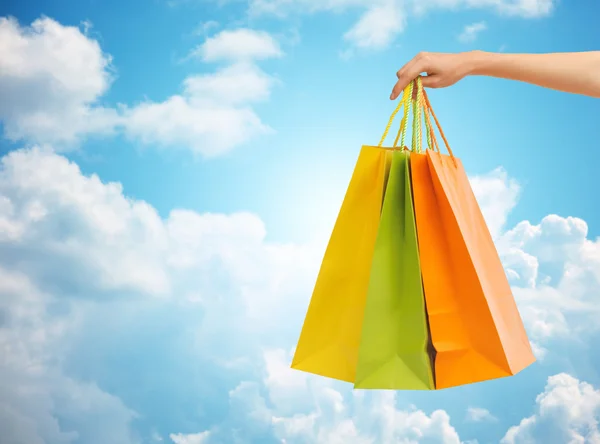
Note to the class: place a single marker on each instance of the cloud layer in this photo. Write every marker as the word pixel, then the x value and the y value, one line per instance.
pixel 53 78
pixel 205 294
pixel 382 20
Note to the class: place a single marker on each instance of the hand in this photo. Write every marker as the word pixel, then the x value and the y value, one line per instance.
pixel 442 70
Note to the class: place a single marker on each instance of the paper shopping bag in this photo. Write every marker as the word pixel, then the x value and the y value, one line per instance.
pixel 330 336
pixel 393 351
pixel 476 328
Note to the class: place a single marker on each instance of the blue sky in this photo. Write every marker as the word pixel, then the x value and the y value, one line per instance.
pixel 171 171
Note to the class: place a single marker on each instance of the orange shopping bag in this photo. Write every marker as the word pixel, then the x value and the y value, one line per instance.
pixel 476 329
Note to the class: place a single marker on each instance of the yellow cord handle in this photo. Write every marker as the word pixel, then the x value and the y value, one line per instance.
pixel 403 122
pixel 403 102
pixel 415 94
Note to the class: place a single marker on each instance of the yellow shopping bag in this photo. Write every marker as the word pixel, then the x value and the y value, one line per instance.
pixel 330 336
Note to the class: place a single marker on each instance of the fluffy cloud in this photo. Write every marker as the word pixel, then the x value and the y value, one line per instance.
pixel 566 412
pixel 553 267
pixel 213 113
pixel 81 263
pixel 282 8
pixel 477 414
pixel 238 44
pixel 34 391
pixel 53 211
pixel 192 438
pixel 377 27
pixel 519 8
pixel 52 78
pixel 470 32
pixel 414 425
pixel 555 270
pixel 210 117
pixel 382 20
pixel 322 414
pixel 91 249
pixel 523 8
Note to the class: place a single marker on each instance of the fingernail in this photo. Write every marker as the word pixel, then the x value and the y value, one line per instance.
pixel 392 96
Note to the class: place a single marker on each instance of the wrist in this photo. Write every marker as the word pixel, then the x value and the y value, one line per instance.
pixel 476 62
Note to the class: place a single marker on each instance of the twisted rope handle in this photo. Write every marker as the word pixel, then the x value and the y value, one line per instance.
pixel 415 113
pixel 428 130
pixel 414 94
pixel 402 131
pixel 437 123
pixel 418 114
pixel 404 101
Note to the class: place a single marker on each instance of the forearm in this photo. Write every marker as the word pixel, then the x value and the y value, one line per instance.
pixel 577 73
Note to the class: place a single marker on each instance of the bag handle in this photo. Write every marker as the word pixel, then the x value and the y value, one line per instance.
pixel 427 109
pixel 417 99
pixel 406 94
pixel 414 94
pixel 402 130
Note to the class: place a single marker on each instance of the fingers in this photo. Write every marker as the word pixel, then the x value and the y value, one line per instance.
pixel 409 72
pixel 431 81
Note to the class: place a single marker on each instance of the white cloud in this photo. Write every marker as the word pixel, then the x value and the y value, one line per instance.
pixel 80 222
pixel 382 20
pixel 34 390
pixel 83 240
pixel 320 414
pixel 95 251
pixel 192 438
pixel 118 244
pixel 567 412
pixel 51 79
pixel 524 8
pixel 283 8
pixel 411 425
pixel 207 130
pixel 377 27
pixel 286 386
pixel 342 432
pixel 392 425
pixel 519 8
pixel 238 44
pixel 471 32
pixel 204 28
pixel 561 270
pixel 553 267
pixel 213 114
pixel 477 414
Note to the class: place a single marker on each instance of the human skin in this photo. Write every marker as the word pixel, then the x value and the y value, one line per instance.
pixel 573 72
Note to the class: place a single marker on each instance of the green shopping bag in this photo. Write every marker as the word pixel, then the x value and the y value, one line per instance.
pixel 394 351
